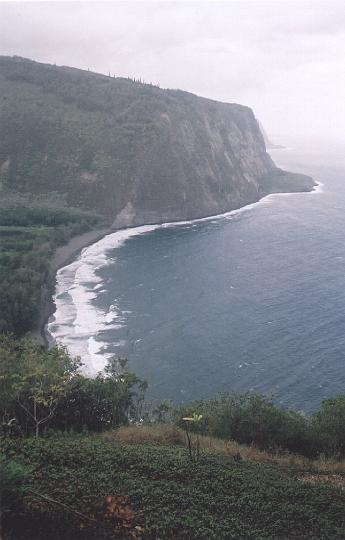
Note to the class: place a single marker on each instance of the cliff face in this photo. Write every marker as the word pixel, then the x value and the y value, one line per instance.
pixel 131 151
pixel 208 158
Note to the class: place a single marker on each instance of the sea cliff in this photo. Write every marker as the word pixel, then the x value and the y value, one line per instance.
pixel 130 151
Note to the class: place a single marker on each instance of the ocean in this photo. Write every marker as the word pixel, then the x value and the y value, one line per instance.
pixel 253 300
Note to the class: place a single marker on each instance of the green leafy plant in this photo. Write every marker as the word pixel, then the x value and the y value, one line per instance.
pixel 33 381
pixel 13 485
pixel 216 500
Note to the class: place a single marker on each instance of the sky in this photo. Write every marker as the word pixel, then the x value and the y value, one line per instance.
pixel 284 58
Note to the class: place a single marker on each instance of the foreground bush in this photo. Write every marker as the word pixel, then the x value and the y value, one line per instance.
pixel 329 426
pixel 254 419
pixel 161 495
pixel 42 389
pixel 13 481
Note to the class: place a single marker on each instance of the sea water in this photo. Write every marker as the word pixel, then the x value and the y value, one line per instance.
pixel 253 300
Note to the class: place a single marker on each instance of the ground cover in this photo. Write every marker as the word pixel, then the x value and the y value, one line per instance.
pixel 155 492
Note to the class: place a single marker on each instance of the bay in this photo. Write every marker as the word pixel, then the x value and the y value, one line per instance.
pixel 250 301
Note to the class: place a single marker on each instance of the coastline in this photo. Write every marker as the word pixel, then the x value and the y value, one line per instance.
pixel 62 257
pixel 69 252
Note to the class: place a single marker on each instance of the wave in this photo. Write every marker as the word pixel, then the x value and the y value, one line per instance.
pixel 77 322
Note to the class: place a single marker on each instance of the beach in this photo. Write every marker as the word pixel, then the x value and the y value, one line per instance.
pixel 62 256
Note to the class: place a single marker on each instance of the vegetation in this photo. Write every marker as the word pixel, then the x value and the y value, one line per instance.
pixel 13 480
pixel 321 469
pixel 61 477
pixel 67 151
pixel 30 231
pixel 42 389
pixel 101 142
pixel 161 495
pixel 255 420
pixel 73 146
pixel 73 132
pixel 33 382
pixel 111 399
pixel 193 443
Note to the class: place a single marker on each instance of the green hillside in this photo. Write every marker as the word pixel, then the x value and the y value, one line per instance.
pixel 87 459
pixel 104 143
pixel 67 131
pixel 156 493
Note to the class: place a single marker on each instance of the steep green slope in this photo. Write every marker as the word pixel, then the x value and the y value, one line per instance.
pixel 30 230
pixel 168 496
pixel 58 136
pixel 128 150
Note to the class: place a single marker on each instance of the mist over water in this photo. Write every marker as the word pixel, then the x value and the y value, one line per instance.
pixel 252 301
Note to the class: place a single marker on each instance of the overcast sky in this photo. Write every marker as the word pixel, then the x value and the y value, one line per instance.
pixel 285 59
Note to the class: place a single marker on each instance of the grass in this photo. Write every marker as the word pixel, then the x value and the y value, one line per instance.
pixel 166 434
pixel 152 491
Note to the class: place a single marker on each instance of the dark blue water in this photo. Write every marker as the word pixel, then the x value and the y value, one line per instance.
pixel 251 303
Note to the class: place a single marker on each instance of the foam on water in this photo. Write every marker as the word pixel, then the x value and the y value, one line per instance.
pixel 77 322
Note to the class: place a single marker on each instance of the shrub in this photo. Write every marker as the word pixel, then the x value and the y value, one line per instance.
pixel 329 426
pixel 253 419
pixel 13 484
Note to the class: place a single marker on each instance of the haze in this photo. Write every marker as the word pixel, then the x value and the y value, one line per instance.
pixel 285 59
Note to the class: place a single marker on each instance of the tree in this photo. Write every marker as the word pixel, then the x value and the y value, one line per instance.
pixel 125 390
pixel 33 381
pixel 39 387
pixel 113 398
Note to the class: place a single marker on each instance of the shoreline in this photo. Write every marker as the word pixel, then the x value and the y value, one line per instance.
pixel 69 252
pixel 63 256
